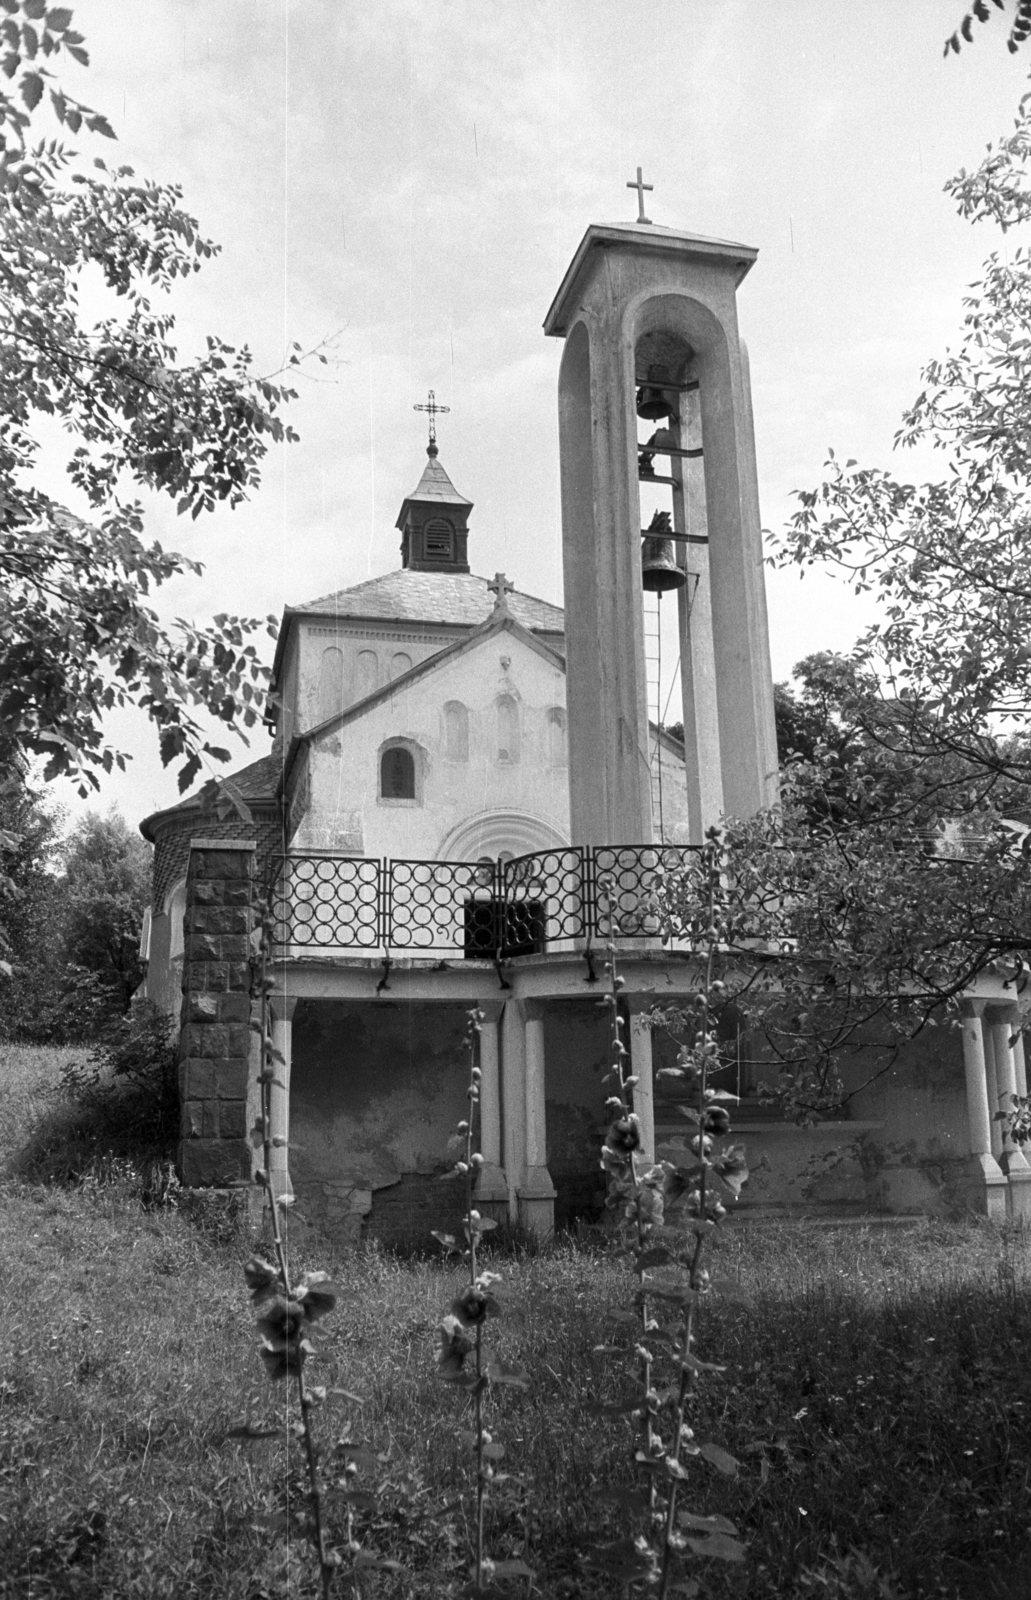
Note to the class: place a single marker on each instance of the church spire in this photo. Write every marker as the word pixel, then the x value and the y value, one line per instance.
pixel 434 517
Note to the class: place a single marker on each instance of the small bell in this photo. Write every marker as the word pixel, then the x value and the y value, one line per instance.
pixel 659 570
pixel 653 401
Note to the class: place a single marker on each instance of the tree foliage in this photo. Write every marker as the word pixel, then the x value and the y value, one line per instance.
pixel 74 920
pixel 1020 28
pixel 77 636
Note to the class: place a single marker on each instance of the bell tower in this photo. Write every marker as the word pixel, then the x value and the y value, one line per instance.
pixel 654 389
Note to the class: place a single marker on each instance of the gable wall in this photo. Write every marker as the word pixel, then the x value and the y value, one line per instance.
pixel 328 684
pixel 346 810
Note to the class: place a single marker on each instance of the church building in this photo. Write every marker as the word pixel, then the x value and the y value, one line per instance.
pixel 465 786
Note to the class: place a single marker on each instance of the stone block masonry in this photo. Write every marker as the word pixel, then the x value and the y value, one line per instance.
pixel 219 1051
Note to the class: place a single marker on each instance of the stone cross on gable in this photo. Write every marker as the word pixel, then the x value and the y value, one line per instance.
pixel 501 589
pixel 641 188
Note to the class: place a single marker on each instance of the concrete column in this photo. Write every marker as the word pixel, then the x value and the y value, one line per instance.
pixel 989 1182
pixel 492 1190
pixel 1019 1066
pixel 1004 1022
pixel 992 1081
pixel 513 1099
pixel 536 1191
pixel 641 1067
pixel 282 1007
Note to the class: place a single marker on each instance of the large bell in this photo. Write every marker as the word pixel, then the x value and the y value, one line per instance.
pixel 659 570
pixel 653 402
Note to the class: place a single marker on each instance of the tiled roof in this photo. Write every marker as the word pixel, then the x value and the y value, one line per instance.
pixel 257 781
pixel 455 597
pixel 436 485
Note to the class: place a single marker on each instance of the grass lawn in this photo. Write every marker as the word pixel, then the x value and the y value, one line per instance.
pixel 878 1395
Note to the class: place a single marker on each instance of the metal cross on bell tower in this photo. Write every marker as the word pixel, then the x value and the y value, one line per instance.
pixel 435 411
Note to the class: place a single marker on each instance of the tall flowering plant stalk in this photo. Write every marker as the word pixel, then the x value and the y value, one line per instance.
pixel 462 1355
pixel 288 1307
pixel 670 1210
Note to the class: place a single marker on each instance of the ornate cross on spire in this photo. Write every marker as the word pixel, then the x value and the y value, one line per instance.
pixel 501 589
pixel 641 186
pixel 435 411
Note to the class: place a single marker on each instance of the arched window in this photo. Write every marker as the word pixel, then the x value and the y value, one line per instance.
pixel 397 774
pixel 175 910
pixel 508 729
pixel 331 682
pixel 456 731
pixel 368 673
pixel 399 662
pixel 556 737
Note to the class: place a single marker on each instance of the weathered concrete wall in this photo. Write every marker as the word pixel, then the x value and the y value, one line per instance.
pixel 577 1056
pixel 376 1092
pixel 218 1050
pixel 901 1145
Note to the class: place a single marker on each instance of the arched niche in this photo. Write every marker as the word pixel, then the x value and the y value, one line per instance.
pixel 555 726
pixel 508 733
pixel 456 730
pixel 331 683
pixel 366 673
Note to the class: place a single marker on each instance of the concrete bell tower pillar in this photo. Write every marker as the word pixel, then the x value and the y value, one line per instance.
pixel 642 305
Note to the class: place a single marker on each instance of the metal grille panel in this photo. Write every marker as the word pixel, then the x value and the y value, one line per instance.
pixel 328 901
pixel 442 905
pixel 475 909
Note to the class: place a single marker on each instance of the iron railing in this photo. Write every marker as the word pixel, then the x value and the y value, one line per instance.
pixel 552 899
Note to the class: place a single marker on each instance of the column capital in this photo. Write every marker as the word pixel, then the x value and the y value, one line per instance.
pixel 972 1005
pixel 283 1006
pixel 491 1009
pixel 641 1001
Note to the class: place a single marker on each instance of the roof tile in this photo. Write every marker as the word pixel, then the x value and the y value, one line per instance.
pixel 461 598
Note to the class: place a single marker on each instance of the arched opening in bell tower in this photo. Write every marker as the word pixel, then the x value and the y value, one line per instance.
pixel 666 429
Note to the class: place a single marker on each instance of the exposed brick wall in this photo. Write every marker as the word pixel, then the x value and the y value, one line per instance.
pixel 218 1050
pixel 172 847
pixel 405 1214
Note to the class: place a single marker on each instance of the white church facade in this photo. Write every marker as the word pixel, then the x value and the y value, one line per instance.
pixel 458 767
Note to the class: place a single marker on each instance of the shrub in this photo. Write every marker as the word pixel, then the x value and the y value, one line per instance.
pixel 119 1103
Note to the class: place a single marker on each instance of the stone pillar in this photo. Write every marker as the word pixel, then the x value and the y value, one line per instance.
pixel 282 1007
pixel 219 1053
pixel 513 1100
pixel 536 1191
pixel 641 1067
pixel 492 1188
pixel 1004 1022
pixel 989 1181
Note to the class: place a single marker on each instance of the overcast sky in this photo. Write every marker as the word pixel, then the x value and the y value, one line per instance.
pixel 410 178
